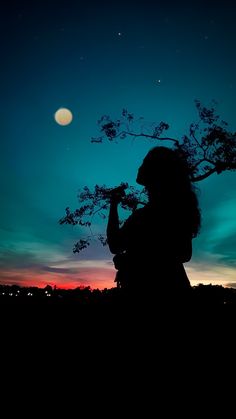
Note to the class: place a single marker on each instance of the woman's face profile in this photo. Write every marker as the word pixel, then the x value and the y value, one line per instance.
pixel 151 173
pixel 157 167
pixel 145 170
pixel 140 175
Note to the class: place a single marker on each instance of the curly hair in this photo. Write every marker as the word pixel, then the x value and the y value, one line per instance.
pixel 166 177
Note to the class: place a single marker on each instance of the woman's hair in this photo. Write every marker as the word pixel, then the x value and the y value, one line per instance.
pixel 165 173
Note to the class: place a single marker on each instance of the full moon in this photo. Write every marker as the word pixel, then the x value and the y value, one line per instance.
pixel 63 116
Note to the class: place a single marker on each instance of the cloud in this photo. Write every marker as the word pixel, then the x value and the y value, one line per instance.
pixel 217 241
pixel 226 249
pixel 28 268
pixel 96 278
pixel 17 259
pixel 210 272
pixel 70 271
pixel 231 284
pixel 6 229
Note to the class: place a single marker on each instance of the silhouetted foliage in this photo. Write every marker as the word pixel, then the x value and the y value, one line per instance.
pixel 209 295
pixel 208 147
pixel 96 202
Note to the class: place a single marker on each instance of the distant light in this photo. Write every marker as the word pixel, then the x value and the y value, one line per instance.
pixel 18 291
pixel 46 292
pixel 3 293
pixel 11 294
pixel 158 81
pixel 119 33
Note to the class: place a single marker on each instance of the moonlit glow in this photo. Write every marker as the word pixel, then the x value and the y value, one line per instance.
pixel 63 116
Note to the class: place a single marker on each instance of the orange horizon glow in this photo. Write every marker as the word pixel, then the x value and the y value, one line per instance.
pixel 103 277
pixel 25 278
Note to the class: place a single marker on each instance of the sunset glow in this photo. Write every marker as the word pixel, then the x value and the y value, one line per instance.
pixel 65 65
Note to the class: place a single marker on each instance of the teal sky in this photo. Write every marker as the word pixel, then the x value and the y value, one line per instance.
pixel 96 59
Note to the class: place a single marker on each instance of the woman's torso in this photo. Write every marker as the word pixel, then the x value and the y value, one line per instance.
pixel 153 241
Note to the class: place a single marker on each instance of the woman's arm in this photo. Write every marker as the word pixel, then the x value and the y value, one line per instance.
pixel 113 227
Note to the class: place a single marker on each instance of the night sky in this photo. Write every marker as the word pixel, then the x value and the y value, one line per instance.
pixel 153 58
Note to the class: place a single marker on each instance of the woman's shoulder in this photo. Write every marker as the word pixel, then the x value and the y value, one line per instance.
pixel 140 215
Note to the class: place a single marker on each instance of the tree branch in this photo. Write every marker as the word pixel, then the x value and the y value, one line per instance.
pixel 205 175
pixel 202 161
pixel 147 136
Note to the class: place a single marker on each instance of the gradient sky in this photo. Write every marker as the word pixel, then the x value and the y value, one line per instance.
pixel 96 58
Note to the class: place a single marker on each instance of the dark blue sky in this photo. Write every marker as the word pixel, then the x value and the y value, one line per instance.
pixel 98 58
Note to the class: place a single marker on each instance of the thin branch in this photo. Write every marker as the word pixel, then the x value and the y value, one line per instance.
pixel 99 140
pixel 96 140
pixel 97 210
pixel 201 161
pixel 148 136
pixel 192 133
pixel 205 175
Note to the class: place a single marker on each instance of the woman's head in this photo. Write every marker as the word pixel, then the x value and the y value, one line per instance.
pixel 162 167
pixel 165 175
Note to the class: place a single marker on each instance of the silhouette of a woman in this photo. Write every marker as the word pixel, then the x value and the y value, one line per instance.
pixel 156 240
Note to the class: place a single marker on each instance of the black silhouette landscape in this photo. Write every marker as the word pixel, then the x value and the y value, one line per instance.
pixel 14 295
pixel 131 107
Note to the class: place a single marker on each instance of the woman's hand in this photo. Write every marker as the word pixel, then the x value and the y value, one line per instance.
pixel 117 194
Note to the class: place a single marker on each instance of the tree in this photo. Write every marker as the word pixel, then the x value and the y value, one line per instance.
pixel 208 147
